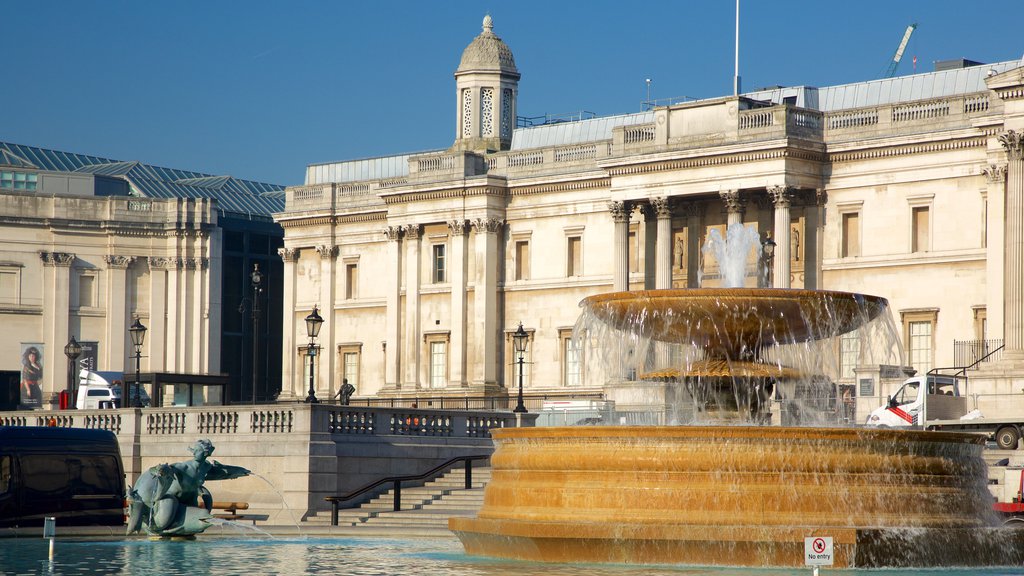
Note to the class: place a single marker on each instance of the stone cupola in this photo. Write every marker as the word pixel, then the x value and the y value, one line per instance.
pixel 486 86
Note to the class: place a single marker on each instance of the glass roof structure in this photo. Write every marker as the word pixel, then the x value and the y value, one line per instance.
pixel 234 196
pixel 828 99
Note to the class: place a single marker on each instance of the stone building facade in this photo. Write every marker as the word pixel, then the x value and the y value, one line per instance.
pixel 88 245
pixel 424 265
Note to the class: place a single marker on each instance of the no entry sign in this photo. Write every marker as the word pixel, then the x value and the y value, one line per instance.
pixel 818 551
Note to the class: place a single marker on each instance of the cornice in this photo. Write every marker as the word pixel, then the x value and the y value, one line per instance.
pixel 718 160
pixel 567 186
pixel 331 220
pixel 444 194
pixel 908 149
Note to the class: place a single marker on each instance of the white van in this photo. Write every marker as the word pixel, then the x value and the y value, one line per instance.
pixel 99 390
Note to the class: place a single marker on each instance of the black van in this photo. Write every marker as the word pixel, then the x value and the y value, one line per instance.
pixel 72 474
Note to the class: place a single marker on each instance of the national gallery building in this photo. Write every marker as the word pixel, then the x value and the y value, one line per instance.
pixel 422 266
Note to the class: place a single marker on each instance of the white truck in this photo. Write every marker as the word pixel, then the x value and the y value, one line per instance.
pixel 936 402
pixel 97 390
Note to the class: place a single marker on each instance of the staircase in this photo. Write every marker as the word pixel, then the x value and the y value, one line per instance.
pixel 426 508
pixel 997 474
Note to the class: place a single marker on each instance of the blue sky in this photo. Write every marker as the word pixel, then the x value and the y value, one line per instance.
pixel 258 90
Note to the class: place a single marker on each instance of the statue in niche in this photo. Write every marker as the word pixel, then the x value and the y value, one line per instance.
pixel 170 499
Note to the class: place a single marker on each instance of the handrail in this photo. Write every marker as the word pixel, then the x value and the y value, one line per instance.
pixel 962 370
pixel 336 500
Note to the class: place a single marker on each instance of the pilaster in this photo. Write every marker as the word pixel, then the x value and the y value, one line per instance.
pixel 56 312
pixel 485 301
pixel 393 301
pixel 457 363
pixel 412 306
pixel 329 329
pixel 117 303
pixel 692 211
pixel 995 199
pixel 291 372
pixel 159 268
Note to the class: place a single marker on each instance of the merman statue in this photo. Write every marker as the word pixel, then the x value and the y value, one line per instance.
pixel 166 499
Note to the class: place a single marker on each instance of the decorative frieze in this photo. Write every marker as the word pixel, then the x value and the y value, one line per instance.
pixel 118 262
pixel 487 225
pixel 620 211
pixel 995 173
pixel 63 259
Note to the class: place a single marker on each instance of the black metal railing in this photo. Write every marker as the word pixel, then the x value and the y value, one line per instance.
pixel 970 352
pixel 397 481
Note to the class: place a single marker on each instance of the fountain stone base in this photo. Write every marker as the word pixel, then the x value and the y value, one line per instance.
pixel 740 496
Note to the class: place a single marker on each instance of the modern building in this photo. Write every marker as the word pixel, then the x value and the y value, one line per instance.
pixel 424 264
pixel 88 245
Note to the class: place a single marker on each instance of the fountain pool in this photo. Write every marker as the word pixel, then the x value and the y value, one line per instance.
pixel 339 556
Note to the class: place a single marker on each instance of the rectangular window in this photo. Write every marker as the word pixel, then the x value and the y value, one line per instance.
pixel 439 264
pixel 920 346
pixel 849 353
pixel 573 258
pixel 919 240
pixel 522 263
pixel 351 279
pixel 438 364
pixel 9 287
pixel 351 368
pixel 571 362
pixel 86 296
pixel 851 235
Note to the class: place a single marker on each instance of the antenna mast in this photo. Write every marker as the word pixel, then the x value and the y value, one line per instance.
pixel 736 76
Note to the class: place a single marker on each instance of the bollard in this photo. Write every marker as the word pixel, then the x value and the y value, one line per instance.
pixel 50 531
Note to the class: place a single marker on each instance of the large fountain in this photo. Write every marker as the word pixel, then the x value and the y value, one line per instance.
pixel 744 493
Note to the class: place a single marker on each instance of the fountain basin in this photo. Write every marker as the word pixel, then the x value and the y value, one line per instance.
pixel 745 496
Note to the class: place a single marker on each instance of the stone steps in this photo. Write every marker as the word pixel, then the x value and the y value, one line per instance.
pixel 425 507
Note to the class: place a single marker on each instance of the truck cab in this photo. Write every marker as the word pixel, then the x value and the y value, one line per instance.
pixel 920 398
pixel 100 390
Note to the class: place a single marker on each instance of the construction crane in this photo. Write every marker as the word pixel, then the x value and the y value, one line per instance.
pixel 891 71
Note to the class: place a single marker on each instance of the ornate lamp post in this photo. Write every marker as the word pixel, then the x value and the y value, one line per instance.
pixel 519 341
pixel 73 350
pixel 313 322
pixel 256 278
pixel 138 332
pixel 768 261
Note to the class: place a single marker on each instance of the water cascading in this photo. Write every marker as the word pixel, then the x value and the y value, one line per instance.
pixel 744 493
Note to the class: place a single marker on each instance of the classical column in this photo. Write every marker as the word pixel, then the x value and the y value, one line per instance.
pixel 620 273
pixel 692 211
pixel 457 363
pixel 412 306
pixel 189 343
pixel 393 315
pixel 327 358
pixel 156 336
pixel 1013 278
pixel 117 304
pixel 995 197
pixel 56 312
pixel 485 301
pixel 735 206
pixel 782 197
pixel 663 263
pixel 291 371
pixel 213 294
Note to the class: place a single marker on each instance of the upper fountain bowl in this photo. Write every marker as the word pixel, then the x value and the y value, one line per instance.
pixel 730 321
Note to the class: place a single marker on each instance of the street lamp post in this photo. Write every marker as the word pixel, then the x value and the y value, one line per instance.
pixel 138 332
pixel 313 322
pixel 768 262
pixel 519 341
pixel 257 289
pixel 73 350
